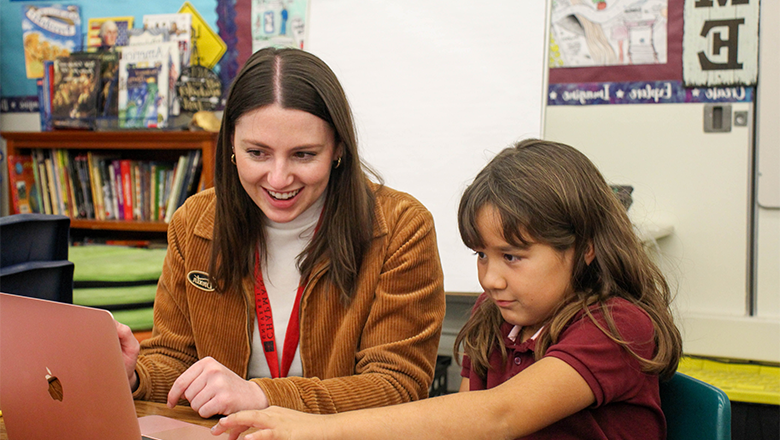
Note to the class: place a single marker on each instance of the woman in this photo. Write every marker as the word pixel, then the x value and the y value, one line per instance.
pixel 293 236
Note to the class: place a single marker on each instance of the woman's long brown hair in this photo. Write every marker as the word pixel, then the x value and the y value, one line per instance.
pixel 293 79
pixel 550 193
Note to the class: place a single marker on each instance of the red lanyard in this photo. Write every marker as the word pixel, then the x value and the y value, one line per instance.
pixel 265 324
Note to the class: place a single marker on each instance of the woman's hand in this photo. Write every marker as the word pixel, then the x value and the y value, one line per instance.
pixel 211 388
pixel 274 423
pixel 130 349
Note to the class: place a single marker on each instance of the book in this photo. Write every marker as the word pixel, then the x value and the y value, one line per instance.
pixel 108 96
pixel 63 182
pixel 49 32
pixel 57 206
pixel 38 194
pixel 179 30
pixel 178 177
pixel 43 181
pixel 108 32
pixel 76 89
pixel 41 98
pixel 178 27
pixel 163 179
pixel 110 200
pixel 191 180
pixel 21 181
pixel 95 186
pixel 85 187
pixel 147 36
pixel 117 190
pixel 67 171
pixel 127 188
pixel 45 94
pixel 144 90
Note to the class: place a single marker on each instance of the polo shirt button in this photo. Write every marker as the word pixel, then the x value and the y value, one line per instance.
pixel 517 360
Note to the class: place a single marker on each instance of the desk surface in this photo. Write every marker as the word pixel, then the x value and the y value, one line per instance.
pixel 183 413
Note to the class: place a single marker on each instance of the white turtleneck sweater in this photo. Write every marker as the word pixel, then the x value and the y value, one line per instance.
pixel 285 241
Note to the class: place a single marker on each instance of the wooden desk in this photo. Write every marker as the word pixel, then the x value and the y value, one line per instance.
pixel 183 413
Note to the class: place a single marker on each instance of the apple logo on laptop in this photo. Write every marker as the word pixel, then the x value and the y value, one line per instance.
pixel 55 386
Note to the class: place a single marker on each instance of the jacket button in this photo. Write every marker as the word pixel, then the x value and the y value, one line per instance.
pixel 517 360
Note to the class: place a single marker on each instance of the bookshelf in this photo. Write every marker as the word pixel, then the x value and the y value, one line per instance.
pixel 138 144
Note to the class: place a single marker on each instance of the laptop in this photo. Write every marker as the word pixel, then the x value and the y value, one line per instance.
pixel 62 376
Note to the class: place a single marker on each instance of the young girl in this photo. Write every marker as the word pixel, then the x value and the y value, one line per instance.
pixel 569 339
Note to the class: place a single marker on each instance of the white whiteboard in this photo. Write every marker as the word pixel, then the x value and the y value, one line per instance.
pixel 437 88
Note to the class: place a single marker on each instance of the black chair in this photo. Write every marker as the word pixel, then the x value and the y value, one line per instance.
pixel 34 256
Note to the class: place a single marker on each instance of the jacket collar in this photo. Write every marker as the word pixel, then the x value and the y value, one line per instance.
pixel 205 226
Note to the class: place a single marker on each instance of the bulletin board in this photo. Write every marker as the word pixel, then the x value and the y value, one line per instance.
pixel 13 79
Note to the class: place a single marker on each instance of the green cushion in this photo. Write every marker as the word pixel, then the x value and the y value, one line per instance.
pixel 136 319
pixel 115 263
pixel 111 296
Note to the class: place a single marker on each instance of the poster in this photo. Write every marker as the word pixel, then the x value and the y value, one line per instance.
pixel 720 43
pixel 607 33
pixel 279 23
pixel 49 32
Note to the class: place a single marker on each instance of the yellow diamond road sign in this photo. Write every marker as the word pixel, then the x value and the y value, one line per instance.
pixel 210 45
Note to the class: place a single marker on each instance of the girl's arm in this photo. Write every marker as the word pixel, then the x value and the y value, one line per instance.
pixel 464 385
pixel 544 393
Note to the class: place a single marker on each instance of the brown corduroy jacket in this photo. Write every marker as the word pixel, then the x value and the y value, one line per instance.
pixel 379 350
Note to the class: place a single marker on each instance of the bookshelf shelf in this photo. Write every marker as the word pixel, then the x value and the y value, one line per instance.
pixel 119 225
pixel 141 144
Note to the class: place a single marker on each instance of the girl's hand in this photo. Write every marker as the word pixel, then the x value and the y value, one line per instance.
pixel 274 423
pixel 211 388
pixel 130 349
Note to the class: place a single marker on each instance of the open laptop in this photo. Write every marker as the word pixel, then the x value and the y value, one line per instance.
pixel 62 376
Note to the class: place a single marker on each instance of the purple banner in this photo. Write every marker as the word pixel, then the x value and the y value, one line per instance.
pixel 19 104
pixel 642 92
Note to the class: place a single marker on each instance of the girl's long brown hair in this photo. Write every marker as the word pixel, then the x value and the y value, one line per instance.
pixel 550 193
pixel 293 79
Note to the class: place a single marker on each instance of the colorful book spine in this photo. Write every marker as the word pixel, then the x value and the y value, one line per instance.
pixel 40 163
pixel 38 194
pixel 57 206
pixel 21 184
pixel 153 193
pixel 95 187
pixel 127 188
pixel 109 195
pixel 69 187
pixel 116 189
pixel 180 170
pixel 135 168
pixel 85 185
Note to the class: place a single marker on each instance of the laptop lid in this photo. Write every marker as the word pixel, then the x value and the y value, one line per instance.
pixel 61 372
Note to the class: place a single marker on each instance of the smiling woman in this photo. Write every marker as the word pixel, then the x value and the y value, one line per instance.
pixel 326 291
pixel 284 159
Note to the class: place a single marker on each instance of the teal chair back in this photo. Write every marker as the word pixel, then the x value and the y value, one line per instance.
pixel 695 410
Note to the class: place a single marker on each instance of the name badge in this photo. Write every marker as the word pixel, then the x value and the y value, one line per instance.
pixel 200 280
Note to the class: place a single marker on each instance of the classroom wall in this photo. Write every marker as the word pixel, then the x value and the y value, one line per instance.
pixel 700 184
pixel 725 245
pixel 768 152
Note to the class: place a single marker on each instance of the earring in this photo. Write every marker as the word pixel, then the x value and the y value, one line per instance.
pixel 233 159
pixel 338 163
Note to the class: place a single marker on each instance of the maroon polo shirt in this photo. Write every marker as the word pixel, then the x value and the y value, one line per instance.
pixel 627 405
